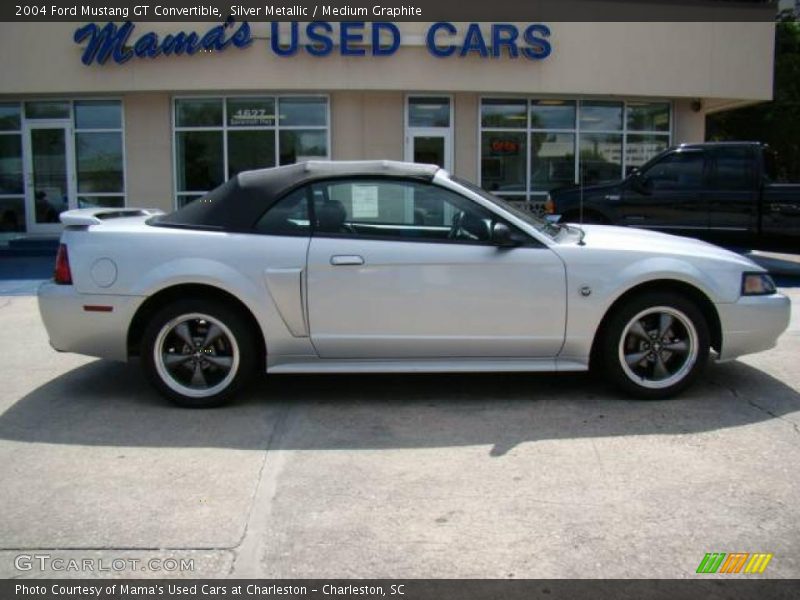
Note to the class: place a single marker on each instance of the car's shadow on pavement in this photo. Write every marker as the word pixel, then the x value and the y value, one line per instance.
pixel 110 404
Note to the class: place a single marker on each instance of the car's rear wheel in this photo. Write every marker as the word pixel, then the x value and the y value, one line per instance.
pixel 655 345
pixel 198 353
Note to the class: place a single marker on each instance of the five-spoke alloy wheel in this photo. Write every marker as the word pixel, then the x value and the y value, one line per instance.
pixel 198 353
pixel 655 344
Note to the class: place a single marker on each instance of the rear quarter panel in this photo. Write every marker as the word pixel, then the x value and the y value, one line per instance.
pixel 151 259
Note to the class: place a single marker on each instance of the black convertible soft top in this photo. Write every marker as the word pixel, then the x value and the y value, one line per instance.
pixel 239 202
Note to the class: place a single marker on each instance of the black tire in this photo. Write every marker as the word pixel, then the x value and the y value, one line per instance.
pixel 230 342
pixel 671 360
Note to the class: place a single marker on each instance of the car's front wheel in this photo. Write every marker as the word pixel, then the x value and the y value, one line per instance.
pixel 198 353
pixel 655 345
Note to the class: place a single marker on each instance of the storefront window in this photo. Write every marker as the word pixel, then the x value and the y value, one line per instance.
pixel 503 161
pixel 216 138
pixel 200 160
pixel 47 109
pixel 77 159
pixel 199 112
pixel 601 157
pixel 12 200
pixel 428 111
pixel 250 149
pixel 648 132
pixel 99 159
pixel 251 112
pixel 532 146
pixel 298 145
pixel 552 160
pixel 601 116
pixel 648 116
pixel 9 117
pixel 552 114
pixel 506 114
pixel 98 114
pixel 641 148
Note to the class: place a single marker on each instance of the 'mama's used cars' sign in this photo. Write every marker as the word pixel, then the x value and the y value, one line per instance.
pixel 120 43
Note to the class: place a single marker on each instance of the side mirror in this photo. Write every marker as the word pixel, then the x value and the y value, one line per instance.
pixel 502 236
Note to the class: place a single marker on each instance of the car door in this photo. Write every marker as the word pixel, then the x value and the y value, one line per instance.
pixel 404 269
pixel 733 191
pixel 668 194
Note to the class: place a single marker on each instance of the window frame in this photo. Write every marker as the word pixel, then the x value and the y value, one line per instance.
pixel 526 240
pixel 224 128
pixel 121 130
pixel 532 197
pixel 73 131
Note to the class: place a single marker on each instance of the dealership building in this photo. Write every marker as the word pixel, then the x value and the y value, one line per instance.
pixel 147 115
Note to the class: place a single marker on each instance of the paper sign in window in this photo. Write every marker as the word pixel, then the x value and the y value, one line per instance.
pixel 365 201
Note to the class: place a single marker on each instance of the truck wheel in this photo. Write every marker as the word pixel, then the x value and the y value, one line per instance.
pixel 655 345
pixel 198 353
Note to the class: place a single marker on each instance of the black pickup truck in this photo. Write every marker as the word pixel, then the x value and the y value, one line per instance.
pixel 725 190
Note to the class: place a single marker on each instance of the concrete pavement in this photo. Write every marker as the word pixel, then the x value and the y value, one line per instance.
pixel 394 476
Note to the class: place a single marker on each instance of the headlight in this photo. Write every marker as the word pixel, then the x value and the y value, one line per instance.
pixel 757 284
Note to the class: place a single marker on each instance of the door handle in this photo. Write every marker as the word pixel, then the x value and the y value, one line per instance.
pixel 347 259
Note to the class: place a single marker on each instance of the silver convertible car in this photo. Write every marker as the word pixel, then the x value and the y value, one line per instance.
pixel 355 267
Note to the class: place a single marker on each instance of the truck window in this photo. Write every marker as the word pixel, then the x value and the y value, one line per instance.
pixel 734 169
pixel 771 172
pixel 676 171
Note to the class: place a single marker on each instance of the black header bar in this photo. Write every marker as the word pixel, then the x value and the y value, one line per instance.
pixel 389 10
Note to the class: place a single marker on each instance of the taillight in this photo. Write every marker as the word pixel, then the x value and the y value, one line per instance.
pixel 62 274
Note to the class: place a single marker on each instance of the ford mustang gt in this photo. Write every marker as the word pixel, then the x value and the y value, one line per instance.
pixel 379 266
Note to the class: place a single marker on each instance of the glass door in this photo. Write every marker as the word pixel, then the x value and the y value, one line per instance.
pixel 431 148
pixel 49 174
pixel 429 130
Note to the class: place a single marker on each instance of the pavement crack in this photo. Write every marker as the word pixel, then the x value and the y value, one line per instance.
pixel 774 415
pixel 247 552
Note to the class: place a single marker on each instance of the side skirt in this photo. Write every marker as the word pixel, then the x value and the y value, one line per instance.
pixel 445 365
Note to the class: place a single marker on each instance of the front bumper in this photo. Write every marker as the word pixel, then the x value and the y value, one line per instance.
pixel 752 324
pixel 73 328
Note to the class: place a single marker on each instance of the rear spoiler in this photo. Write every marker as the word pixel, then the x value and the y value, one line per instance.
pixel 94 216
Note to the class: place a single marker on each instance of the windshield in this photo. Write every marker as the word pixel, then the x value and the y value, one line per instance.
pixel 539 223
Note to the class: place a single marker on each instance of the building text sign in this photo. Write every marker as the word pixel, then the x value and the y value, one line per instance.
pixel 121 42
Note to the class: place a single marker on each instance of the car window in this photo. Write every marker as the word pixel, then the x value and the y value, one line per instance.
pixel 734 169
pixel 289 216
pixel 395 209
pixel 675 172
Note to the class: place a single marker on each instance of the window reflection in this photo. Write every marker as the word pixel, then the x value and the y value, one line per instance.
pixel 601 116
pixel 504 113
pixel 200 165
pixel 552 114
pixel 428 112
pixel 600 157
pixel 99 162
pixel 503 161
pixel 552 160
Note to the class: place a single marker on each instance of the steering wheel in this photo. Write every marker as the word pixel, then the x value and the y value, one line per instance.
pixel 455 227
